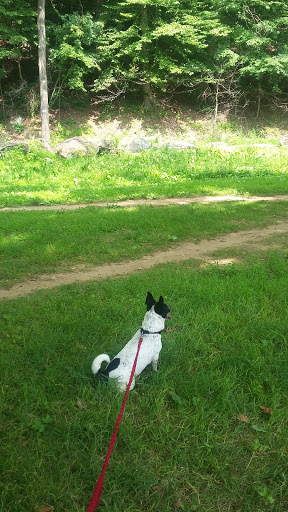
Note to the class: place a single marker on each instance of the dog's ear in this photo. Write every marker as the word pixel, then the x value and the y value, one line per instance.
pixel 150 301
pixel 161 300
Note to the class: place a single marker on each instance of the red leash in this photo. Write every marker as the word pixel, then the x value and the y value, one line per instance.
pixel 98 489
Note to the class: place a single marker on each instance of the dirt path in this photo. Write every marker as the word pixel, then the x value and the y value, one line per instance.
pixel 185 251
pixel 145 202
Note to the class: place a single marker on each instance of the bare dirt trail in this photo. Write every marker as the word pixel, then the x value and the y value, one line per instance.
pixel 144 202
pixel 188 250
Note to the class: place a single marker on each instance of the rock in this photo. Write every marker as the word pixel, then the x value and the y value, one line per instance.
pixel 31 133
pixel 222 146
pixel 264 146
pixel 77 146
pixel 284 141
pixel 105 146
pixel 137 145
pixel 8 146
pixel 178 144
pixel 14 122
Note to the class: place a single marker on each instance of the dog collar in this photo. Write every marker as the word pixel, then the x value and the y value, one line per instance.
pixel 143 331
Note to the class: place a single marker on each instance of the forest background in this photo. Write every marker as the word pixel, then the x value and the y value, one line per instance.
pixel 230 54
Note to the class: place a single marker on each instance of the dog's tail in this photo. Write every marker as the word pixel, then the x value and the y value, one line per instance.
pixel 96 365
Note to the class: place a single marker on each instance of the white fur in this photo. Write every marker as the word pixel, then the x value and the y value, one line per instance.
pixel 96 365
pixel 149 352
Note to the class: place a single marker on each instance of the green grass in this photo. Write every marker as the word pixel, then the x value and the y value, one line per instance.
pixel 32 180
pixel 39 242
pixel 224 354
pixel 182 444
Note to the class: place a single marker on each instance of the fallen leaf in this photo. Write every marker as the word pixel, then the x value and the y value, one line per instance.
pixel 25 442
pixel 243 418
pixel 258 428
pixel 81 405
pixel 44 508
pixel 178 504
pixel 265 343
pixel 177 398
pixel 267 410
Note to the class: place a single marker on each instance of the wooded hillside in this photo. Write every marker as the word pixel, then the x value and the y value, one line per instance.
pixel 225 53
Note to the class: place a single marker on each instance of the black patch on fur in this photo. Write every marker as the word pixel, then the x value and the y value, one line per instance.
pixel 150 301
pixel 161 308
pixel 113 365
pixel 103 375
pixel 144 331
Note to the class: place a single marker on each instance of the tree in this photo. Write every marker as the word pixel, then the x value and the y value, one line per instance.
pixel 230 52
pixel 259 42
pixel 73 49
pixel 155 44
pixel 44 105
pixel 17 29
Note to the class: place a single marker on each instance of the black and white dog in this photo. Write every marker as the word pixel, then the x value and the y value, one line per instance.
pixel 121 366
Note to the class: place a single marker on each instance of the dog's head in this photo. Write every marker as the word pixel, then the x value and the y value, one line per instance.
pixel 159 307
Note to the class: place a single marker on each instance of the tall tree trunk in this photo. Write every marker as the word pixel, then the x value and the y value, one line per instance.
pixel 216 104
pixel 43 75
pixel 147 95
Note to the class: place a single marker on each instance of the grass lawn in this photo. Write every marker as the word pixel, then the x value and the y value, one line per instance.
pixel 32 180
pixel 208 432
pixel 194 436
pixel 43 242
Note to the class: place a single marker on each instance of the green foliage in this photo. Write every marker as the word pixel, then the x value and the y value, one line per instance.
pixel 73 50
pixel 160 43
pixel 222 52
pixel 259 39
pixel 18 29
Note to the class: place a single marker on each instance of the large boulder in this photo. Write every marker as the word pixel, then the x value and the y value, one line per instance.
pixel 15 122
pixel 177 144
pixel 136 145
pixel 284 141
pixel 80 146
pixel 8 146
pixel 219 145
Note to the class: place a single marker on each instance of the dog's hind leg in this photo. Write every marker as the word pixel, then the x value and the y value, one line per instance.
pixel 122 384
pixel 154 363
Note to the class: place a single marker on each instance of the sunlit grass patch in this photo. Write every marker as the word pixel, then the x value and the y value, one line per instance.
pixel 42 178
pixel 53 241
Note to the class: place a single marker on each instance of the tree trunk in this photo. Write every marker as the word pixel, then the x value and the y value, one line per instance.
pixel 147 95
pixel 216 104
pixel 44 106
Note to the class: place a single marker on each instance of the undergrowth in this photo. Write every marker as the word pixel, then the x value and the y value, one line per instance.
pixel 41 178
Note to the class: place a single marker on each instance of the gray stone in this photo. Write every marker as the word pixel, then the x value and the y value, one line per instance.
pixel 137 145
pixel 179 144
pixel 284 141
pixel 218 145
pixel 77 146
pixel 264 146
pixel 15 121
pixel 8 146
